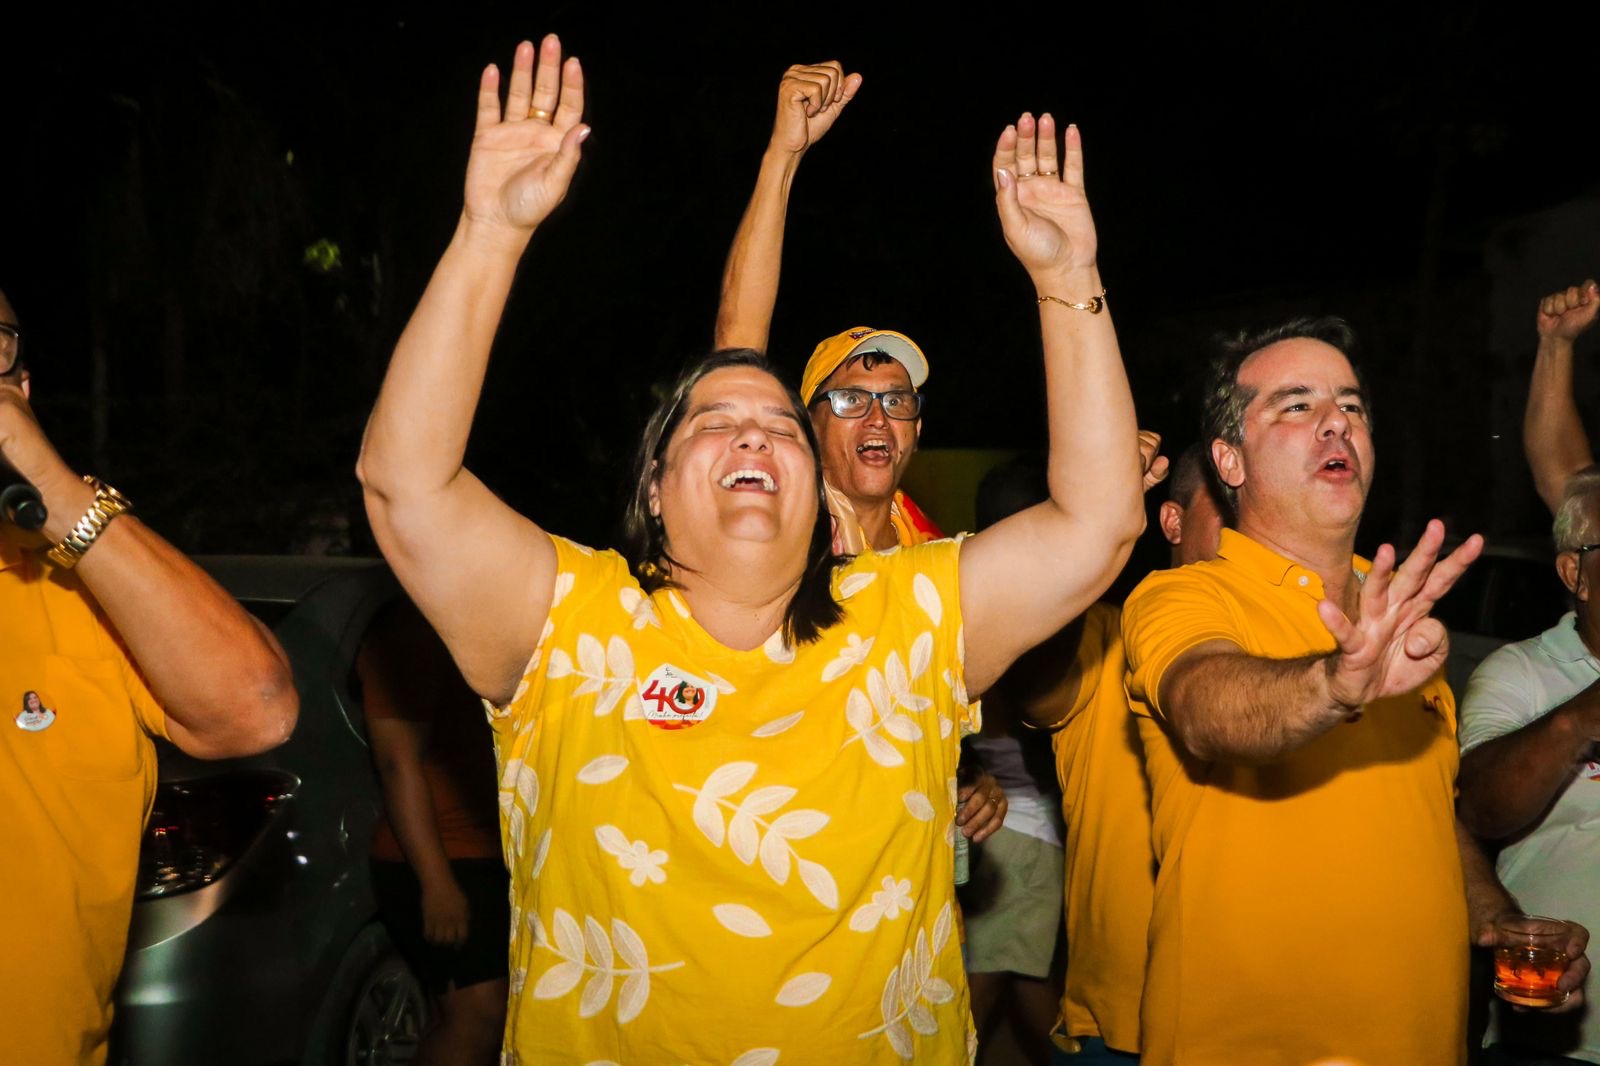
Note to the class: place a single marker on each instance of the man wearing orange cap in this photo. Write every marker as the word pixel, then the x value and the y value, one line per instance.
pixel 861 385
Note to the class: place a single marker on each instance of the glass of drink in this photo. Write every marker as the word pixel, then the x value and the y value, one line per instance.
pixel 1530 956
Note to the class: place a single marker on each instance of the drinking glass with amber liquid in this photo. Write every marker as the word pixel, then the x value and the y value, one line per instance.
pixel 1530 956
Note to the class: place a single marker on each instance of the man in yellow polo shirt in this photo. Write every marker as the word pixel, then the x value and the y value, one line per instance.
pixel 95 659
pixel 1300 746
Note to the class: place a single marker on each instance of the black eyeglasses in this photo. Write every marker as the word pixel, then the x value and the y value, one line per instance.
pixel 10 347
pixel 1580 549
pixel 855 403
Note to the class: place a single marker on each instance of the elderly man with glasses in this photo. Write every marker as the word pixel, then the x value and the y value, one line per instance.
pixel 1530 719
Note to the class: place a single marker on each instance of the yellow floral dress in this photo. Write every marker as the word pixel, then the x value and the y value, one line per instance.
pixel 738 858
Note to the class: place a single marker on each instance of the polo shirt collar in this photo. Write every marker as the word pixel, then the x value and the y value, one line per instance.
pixel 1274 568
pixel 1564 644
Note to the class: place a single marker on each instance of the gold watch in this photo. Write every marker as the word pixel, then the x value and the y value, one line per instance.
pixel 108 503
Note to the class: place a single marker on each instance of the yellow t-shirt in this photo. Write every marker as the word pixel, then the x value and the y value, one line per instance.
pixel 1105 800
pixel 1310 909
pixel 743 857
pixel 77 777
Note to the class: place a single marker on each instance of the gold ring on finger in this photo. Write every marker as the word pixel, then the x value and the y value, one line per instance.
pixel 1048 173
pixel 540 114
pixel 1030 174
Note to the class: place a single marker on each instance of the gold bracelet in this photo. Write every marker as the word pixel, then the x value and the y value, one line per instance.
pixel 1094 306
pixel 108 503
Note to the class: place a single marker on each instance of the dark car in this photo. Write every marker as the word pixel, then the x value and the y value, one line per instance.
pixel 1511 593
pixel 254 937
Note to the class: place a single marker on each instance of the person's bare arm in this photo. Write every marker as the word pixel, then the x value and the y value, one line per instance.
pixel 397 750
pixel 810 99
pixel 1553 437
pixel 223 682
pixel 1488 901
pixel 482 574
pixel 1030 574
pixel 1226 705
pixel 1509 782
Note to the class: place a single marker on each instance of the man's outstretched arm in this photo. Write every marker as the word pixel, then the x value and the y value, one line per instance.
pixel 810 99
pixel 1227 705
pixel 1552 431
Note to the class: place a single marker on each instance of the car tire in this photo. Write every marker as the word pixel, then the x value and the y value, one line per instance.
pixel 375 1009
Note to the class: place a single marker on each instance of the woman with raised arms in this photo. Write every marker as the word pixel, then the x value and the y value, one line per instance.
pixel 726 757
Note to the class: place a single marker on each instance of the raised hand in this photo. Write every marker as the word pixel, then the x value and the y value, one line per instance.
pixel 1564 315
pixel 1393 646
pixel 523 156
pixel 810 99
pixel 1043 209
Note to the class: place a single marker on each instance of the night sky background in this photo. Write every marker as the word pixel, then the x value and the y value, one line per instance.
pixel 213 228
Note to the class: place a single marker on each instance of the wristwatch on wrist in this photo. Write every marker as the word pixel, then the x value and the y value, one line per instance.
pixel 108 503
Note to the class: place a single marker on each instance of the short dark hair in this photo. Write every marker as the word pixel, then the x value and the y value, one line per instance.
pixel 870 360
pixel 1188 477
pixel 813 608
pixel 1225 400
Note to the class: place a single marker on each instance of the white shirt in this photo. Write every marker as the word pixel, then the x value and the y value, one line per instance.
pixel 1554 867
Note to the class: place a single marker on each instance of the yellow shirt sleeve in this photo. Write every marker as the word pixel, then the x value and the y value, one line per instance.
pixel 582 573
pixel 1170 612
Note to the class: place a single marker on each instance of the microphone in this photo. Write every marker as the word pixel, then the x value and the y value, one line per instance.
pixel 20 504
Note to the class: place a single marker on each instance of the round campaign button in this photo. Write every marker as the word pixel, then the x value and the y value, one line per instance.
pixel 34 715
pixel 676 699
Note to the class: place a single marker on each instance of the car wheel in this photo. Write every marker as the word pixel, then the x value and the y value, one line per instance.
pixel 373 1011
pixel 387 1016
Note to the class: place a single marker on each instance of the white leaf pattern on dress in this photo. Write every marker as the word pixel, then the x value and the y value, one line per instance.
pixel 886 903
pixel 643 862
pixel 927 597
pixel 779 725
pixel 854 583
pixel 723 685
pixel 748 834
pixel 638 607
pixel 760 1056
pixel 541 851
pixel 918 804
pixel 538 653
pixel 576 947
pixel 852 655
pixel 515 826
pixel 607 671
pixel 745 921
pixel 602 768
pixel 778 649
pixel 910 990
pixel 803 990
pixel 564 583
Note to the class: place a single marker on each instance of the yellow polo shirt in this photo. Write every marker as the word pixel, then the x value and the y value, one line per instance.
pixel 75 794
pixel 1310 909
pixel 1105 800
pixel 737 857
